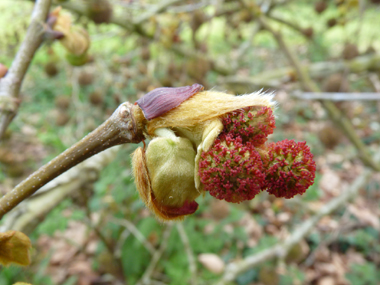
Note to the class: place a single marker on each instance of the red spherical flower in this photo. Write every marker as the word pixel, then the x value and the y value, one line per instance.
pixel 290 168
pixel 231 170
pixel 252 124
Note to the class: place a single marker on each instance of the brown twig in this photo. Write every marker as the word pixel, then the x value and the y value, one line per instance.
pixel 10 85
pixel 291 25
pixel 308 85
pixel 120 128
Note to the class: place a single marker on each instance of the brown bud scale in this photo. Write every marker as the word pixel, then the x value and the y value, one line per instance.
pixel 161 100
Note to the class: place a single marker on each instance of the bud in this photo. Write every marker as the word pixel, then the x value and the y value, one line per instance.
pixel 165 177
pixel 252 124
pixel 161 100
pixel 100 11
pixel 231 170
pixel 213 141
pixel 290 168
pixel 204 106
pixel 75 39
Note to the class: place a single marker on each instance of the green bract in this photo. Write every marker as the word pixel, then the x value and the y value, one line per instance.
pixel 171 163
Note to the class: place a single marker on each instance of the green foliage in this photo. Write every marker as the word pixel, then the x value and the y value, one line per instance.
pixel 313 193
pixel 363 274
pixel 54 221
pixel 293 276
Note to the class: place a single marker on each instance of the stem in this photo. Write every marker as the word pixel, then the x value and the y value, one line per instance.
pixel 335 114
pixel 120 128
pixel 10 85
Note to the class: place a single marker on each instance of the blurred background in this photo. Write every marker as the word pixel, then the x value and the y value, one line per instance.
pixel 90 227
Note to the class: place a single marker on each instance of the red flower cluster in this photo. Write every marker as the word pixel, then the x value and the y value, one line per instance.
pixel 239 164
pixel 252 124
pixel 231 170
pixel 290 170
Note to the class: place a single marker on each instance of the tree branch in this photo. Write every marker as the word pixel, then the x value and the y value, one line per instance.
pixel 273 78
pixel 10 85
pixel 125 23
pixel 28 214
pixel 120 128
pixel 336 96
pixel 154 11
pixel 308 85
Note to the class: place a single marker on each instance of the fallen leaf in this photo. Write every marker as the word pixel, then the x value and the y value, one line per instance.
pixel 327 280
pixel 253 229
pixel 365 216
pixel 212 262
pixel 330 183
pixel 14 248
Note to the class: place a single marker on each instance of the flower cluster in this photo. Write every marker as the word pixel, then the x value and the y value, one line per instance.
pixel 290 169
pixel 215 142
pixel 231 170
pixel 240 164
pixel 252 124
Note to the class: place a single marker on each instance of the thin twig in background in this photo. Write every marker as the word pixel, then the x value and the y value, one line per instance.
pixel 335 96
pixel 189 253
pixel 162 6
pixel 244 47
pixel 281 249
pixel 118 129
pixel 146 278
pixel 96 227
pixel 132 228
pixel 276 77
pixel 10 85
pixel 28 214
pixel 79 114
pixel 126 23
pixel 308 85
pixel 291 25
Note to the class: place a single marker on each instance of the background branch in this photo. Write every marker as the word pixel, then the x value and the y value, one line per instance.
pixel 189 253
pixel 146 278
pixel 28 214
pixel 118 129
pixel 308 85
pixel 10 85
